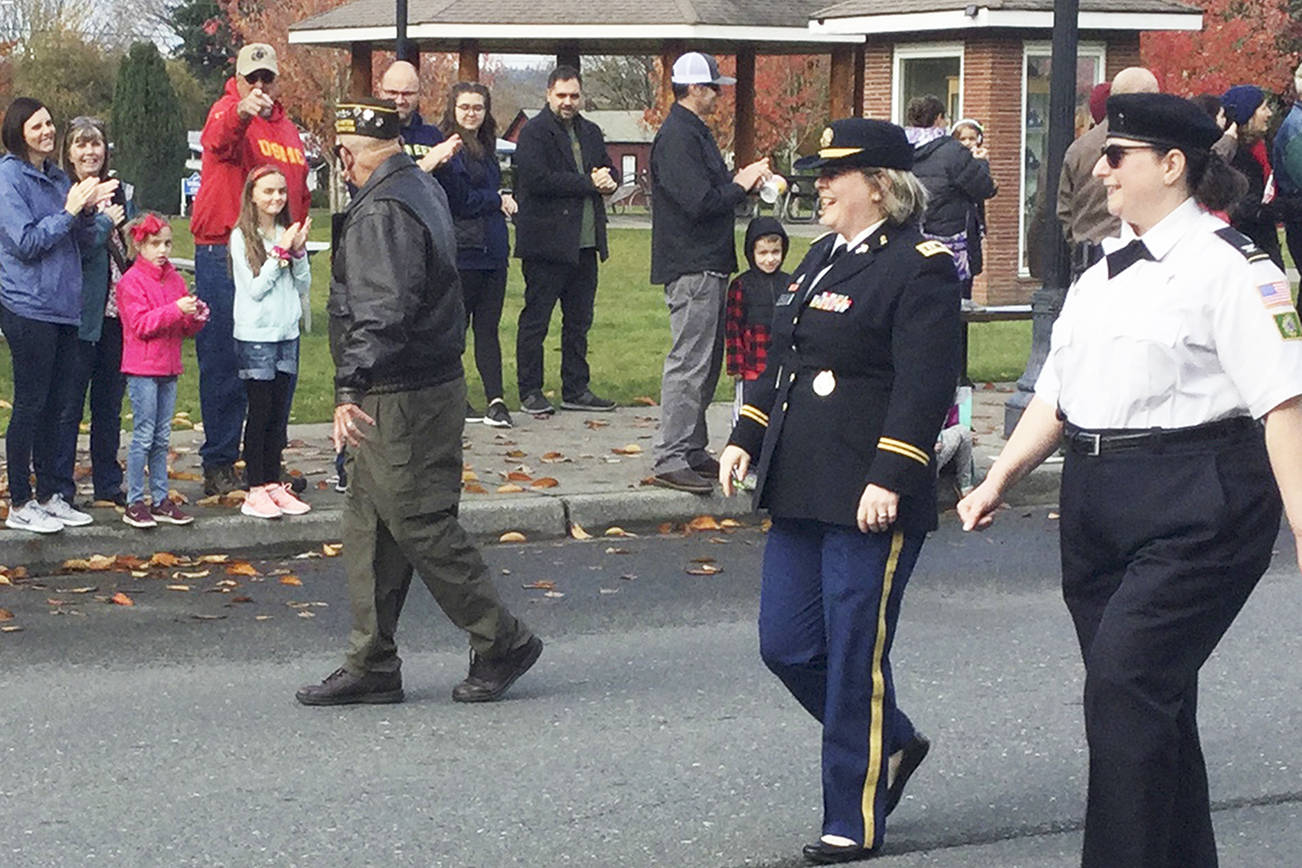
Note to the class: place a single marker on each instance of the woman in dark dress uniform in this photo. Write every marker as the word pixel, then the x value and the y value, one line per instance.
pixel 862 366
pixel 1165 357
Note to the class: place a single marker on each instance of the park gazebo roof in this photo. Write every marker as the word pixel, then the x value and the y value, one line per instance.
pixel 905 16
pixel 590 26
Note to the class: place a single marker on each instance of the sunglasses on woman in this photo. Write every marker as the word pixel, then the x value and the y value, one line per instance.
pixel 1114 154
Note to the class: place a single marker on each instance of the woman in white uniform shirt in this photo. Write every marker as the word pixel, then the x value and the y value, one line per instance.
pixel 1164 357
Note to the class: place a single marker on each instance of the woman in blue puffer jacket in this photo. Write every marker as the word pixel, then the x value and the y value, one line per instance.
pixel 44 218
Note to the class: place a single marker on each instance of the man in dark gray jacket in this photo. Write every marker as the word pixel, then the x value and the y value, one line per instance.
pixel 397 330
pixel 693 251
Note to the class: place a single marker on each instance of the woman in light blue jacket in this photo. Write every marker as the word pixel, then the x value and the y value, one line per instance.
pixel 44 218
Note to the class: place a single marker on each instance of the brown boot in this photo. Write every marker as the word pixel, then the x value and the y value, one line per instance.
pixel 341 687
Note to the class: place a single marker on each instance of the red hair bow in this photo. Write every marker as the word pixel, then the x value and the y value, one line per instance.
pixel 148 225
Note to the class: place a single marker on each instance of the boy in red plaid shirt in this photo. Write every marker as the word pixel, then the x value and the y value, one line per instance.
pixel 750 301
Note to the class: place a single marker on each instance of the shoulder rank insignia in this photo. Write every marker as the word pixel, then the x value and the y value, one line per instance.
pixel 1241 243
pixel 931 248
pixel 832 302
pixel 1290 329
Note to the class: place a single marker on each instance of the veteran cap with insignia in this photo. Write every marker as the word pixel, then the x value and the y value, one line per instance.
pixel 1161 119
pixel 256 56
pixel 375 118
pixel 854 142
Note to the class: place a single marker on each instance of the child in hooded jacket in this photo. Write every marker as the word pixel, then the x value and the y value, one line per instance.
pixel 157 314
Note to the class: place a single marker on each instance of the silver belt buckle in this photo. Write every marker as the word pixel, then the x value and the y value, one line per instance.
pixel 1095 444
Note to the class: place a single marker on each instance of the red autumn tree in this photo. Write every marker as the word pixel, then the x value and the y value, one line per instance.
pixel 791 104
pixel 1242 42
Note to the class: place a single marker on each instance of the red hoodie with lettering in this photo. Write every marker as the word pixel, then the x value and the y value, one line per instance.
pixel 233 147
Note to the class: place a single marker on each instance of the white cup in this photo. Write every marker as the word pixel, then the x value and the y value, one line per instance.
pixel 772 189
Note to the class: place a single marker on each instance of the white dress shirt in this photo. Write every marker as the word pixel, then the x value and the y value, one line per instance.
pixel 1197 334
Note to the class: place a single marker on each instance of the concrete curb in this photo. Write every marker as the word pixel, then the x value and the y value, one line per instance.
pixel 537 517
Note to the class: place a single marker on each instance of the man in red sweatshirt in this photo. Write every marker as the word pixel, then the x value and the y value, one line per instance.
pixel 246 128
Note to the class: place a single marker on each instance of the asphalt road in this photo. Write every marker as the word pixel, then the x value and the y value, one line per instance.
pixel 648 734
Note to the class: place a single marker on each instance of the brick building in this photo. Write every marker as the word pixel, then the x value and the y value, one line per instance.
pixel 991 61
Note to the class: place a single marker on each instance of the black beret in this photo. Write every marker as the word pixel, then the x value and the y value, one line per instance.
pixel 376 118
pixel 1161 119
pixel 855 142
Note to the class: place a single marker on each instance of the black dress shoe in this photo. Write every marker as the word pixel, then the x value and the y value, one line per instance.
pixel 914 753
pixel 341 687
pixel 709 468
pixel 489 679
pixel 684 480
pixel 823 853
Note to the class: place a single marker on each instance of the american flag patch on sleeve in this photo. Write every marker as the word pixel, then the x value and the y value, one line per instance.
pixel 1276 294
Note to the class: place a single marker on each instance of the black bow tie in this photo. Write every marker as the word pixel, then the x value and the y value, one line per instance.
pixel 1120 260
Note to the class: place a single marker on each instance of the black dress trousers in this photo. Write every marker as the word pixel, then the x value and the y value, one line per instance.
pixel 1160 550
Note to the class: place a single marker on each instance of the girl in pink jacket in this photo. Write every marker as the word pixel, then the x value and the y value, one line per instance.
pixel 157 313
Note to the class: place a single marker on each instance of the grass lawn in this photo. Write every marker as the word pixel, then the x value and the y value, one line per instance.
pixel 627 343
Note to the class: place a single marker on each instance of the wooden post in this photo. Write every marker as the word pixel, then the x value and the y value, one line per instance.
pixel 744 134
pixel 669 52
pixel 568 57
pixel 841 84
pixel 468 63
pixel 857 109
pixel 359 69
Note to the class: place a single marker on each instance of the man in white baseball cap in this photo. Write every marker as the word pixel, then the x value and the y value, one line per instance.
pixel 693 252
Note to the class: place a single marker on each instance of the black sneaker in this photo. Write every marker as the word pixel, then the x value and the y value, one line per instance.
pixel 497 415
pixel 472 415
pixel 489 679
pixel 588 401
pixel 536 404
pixel 341 687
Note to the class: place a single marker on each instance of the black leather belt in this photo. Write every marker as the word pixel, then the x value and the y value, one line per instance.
pixel 1106 442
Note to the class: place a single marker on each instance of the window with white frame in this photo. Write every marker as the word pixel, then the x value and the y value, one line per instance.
pixel 935 69
pixel 1037 67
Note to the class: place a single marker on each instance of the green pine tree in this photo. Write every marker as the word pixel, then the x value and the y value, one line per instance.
pixel 148 130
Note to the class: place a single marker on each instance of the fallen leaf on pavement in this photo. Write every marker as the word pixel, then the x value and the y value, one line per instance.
pixel 615 551
pixel 128 562
pixel 331 550
pixel 539 586
pixel 102 504
pixel 18 573
pixel 76 564
pixel 139 574
pixel 704 522
pixel 577 531
pixel 198 617
pixel 243 568
pixel 609 591
pixel 295 604
pixel 1052 516
pixel 718 540
pixel 544 482
pixel 555 595
pixel 704 559
pixel 666 529
pixel 11 628
pixel 200 574
pixel 509 488
pixel 553 457
pixel 645 401
pixel 291 580
pixel 615 530
pixel 210 500
pixel 594 424
pixel 517 476
pixel 306 555
pixel 704 570
pixel 6 615
pixel 730 522
pixel 185 475
pixel 262 617
pixel 322 485
pixel 516 453
pixel 89 589
pixel 475 488
pixel 766 524
pixel 4 579
pixel 121 599
pixel 178 497
pixel 178 587
pixel 228 583
pixel 511 536
pixel 164 559
pixel 630 449
pixel 241 599
pixel 469 476
pixel 55 601
pixel 307 614
pixel 234 498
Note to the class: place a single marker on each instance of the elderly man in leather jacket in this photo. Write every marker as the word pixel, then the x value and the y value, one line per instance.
pixel 397 330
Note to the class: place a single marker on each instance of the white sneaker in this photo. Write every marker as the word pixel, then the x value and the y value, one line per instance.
pixel 31 517
pixel 61 510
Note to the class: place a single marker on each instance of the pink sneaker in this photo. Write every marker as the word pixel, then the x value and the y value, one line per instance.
pixel 259 504
pixel 285 499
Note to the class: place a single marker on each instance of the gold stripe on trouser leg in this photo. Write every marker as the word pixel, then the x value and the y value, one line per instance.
pixel 875 746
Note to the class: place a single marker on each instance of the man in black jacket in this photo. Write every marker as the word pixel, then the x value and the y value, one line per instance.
pixel 693 252
pixel 561 172
pixel 397 330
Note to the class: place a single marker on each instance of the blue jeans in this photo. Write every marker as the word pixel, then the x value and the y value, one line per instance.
pixel 221 394
pixel 99 367
pixel 153 400
pixel 43 355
